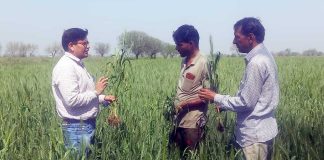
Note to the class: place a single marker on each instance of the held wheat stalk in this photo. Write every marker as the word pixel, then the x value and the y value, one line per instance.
pixel 117 72
pixel 214 81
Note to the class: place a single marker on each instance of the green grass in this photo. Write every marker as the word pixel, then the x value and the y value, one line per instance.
pixel 30 127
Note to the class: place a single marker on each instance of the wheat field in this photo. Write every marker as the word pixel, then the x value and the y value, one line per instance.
pixel 30 127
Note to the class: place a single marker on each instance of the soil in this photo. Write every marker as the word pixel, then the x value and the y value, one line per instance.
pixel 113 120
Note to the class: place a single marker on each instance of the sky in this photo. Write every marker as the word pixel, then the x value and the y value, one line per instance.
pixel 290 24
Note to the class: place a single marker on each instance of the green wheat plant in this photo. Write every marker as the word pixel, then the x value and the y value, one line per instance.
pixel 213 79
pixel 31 129
pixel 116 71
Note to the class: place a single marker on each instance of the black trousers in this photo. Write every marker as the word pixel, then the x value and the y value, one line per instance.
pixel 188 138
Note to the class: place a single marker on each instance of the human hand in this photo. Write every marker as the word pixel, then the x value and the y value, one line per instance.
pixel 206 94
pixel 179 107
pixel 101 85
pixel 219 109
pixel 110 98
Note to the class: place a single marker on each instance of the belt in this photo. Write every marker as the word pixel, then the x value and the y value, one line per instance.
pixel 66 120
pixel 201 108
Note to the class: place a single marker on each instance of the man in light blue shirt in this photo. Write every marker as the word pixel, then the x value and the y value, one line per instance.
pixel 258 95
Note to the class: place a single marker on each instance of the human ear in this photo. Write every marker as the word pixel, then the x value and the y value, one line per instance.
pixel 71 47
pixel 192 43
pixel 251 37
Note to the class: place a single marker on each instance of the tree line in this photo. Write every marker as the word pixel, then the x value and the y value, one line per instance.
pixel 138 43
pixel 141 44
pixel 308 52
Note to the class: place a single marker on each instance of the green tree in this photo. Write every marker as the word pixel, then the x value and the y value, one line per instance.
pixel 101 48
pixel 54 49
pixel 152 46
pixel 169 50
pixel 312 52
pixel 133 40
pixel 12 49
pixel 140 44
pixel 20 49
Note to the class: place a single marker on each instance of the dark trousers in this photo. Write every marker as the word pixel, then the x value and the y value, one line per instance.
pixel 188 139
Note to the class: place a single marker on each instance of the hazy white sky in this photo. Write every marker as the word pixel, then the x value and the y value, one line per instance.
pixel 294 24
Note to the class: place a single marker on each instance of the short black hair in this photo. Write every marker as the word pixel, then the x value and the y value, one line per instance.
pixel 186 33
pixel 73 35
pixel 251 25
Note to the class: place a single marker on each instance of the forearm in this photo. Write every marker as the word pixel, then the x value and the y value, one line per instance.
pixel 81 99
pixel 192 103
pixel 235 104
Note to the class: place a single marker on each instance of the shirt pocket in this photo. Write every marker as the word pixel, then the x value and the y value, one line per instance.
pixel 187 84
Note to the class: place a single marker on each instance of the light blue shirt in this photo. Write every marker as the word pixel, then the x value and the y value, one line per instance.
pixel 256 100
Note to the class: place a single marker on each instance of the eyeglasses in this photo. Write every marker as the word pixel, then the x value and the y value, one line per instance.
pixel 85 43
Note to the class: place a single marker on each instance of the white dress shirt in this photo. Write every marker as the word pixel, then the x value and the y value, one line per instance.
pixel 74 89
pixel 256 100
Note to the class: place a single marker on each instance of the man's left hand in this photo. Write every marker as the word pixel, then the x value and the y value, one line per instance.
pixel 179 107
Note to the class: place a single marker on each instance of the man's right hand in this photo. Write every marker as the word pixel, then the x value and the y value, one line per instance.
pixel 101 85
pixel 110 98
pixel 206 94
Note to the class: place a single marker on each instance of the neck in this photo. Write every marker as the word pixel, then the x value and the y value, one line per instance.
pixel 76 55
pixel 190 58
pixel 254 44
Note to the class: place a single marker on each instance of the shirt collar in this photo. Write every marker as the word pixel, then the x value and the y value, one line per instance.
pixel 196 58
pixel 253 52
pixel 194 61
pixel 74 58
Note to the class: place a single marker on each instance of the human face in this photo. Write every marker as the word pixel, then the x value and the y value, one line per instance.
pixel 80 48
pixel 242 42
pixel 184 48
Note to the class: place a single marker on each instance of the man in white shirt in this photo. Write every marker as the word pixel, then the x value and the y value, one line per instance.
pixel 258 95
pixel 76 95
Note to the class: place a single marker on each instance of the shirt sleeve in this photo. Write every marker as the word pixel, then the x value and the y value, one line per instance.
pixel 101 98
pixel 67 83
pixel 249 93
